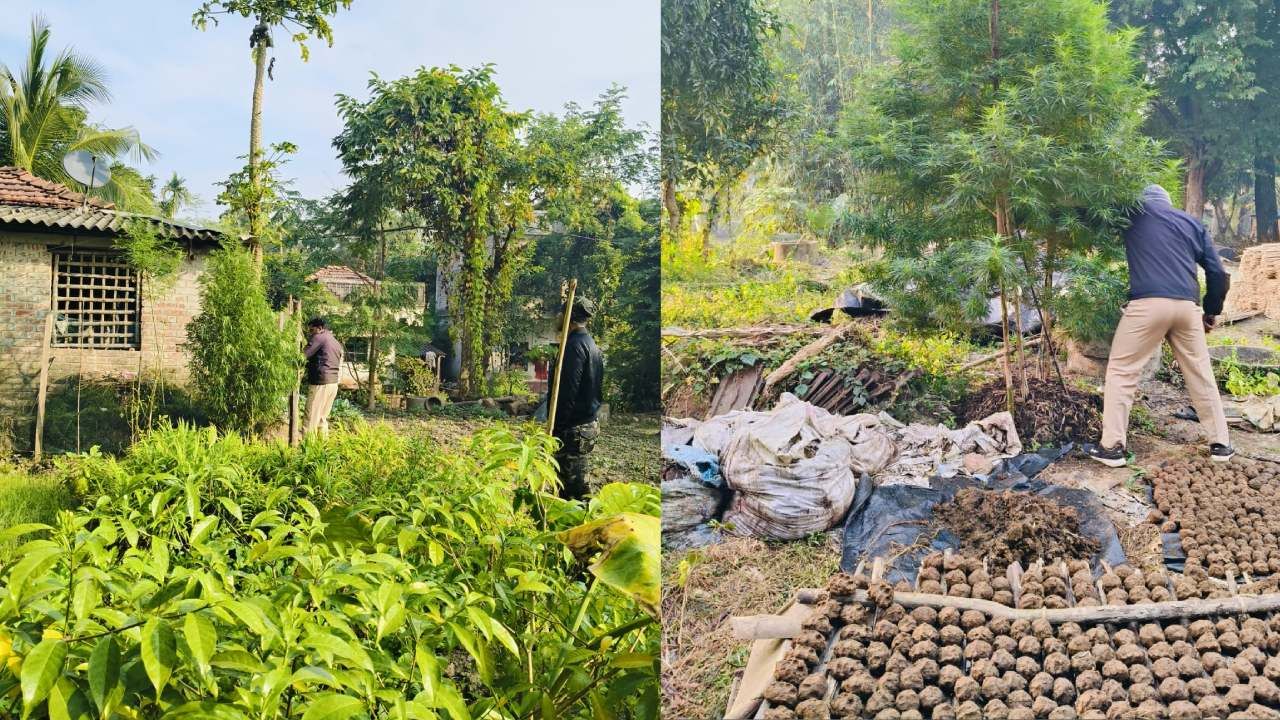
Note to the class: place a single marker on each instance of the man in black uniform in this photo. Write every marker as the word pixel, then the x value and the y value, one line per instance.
pixel 580 394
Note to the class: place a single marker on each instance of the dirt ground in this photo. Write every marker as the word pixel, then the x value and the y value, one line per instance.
pixel 627 450
pixel 703 588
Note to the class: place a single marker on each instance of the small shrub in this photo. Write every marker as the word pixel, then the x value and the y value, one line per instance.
pixel 243 365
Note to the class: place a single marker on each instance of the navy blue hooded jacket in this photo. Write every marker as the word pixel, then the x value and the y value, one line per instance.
pixel 1164 245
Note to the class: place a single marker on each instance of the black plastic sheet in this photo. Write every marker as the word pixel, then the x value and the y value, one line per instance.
pixel 894 517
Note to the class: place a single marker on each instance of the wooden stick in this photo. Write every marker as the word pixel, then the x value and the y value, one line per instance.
pixel 744 332
pixel 295 432
pixel 806 352
pixel 997 355
pixel 564 340
pixel 774 626
pixel 38 447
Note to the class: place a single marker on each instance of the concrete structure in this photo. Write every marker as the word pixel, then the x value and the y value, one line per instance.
pixel 58 255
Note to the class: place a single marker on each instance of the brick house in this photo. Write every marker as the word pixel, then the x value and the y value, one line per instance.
pixel 58 254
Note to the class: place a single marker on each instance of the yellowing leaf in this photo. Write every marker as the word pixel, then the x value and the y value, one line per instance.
pixel 627 552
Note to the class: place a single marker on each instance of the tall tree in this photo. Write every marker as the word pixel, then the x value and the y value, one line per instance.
pixel 1263 118
pixel 44 115
pixel 174 195
pixel 1203 83
pixel 442 144
pixel 1013 119
pixel 722 102
pixel 306 19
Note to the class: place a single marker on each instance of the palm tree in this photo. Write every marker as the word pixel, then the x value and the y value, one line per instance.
pixel 174 195
pixel 43 116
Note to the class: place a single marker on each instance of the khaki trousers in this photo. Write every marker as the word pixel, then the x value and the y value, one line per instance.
pixel 319 403
pixel 1144 324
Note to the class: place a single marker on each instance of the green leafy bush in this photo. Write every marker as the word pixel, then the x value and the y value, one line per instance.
pixel 1089 302
pixel 366 575
pixel 243 365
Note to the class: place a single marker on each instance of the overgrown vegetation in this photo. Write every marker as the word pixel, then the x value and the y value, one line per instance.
pixel 368 574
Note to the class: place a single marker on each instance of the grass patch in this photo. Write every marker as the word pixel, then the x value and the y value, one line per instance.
pixel 702 588
pixel 28 498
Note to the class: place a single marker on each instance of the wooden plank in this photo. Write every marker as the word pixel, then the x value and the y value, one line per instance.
pixel 42 393
pixel 774 626
pixel 736 391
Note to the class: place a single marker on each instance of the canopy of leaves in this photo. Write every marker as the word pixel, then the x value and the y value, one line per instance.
pixel 1050 127
pixel 304 18
pixel 722 102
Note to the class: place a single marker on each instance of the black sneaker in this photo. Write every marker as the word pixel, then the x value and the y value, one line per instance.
pixel 1111 457
pixel 1221 453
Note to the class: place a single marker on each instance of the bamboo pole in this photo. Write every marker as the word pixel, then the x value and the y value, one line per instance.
pixel 554 394
pixel 295 435
pixel 38 446
pixel 775 626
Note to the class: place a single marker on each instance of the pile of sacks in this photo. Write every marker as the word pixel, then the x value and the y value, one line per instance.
pixel 794 470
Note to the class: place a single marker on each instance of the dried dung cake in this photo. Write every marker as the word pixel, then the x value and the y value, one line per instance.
pixel 1008 526
pixel 1225 514
pixel 1048 416
pixel 880 660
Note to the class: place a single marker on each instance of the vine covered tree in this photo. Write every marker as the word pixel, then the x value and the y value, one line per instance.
pixel 1008 130
pixel 305 19
pixel 722 100
pixel 442 144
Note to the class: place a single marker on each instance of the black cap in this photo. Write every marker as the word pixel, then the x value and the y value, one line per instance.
pixel 583 308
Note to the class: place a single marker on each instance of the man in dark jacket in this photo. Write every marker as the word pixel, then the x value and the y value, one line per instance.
pixel 1163 246
pixel 580 395
pixel 324 359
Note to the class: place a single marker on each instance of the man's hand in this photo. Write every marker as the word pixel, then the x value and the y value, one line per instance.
pixel 1209 321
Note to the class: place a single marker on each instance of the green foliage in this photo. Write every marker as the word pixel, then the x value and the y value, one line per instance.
pixel 361 575
pixel 1090 301
pixel 157 259
pixel 722 103
pixel 258 192
pixel 440 143
pixel 1243 381
pixel 243 365
pixel 634 334
pixel 418 377
pixel 782 297
pixel 306 18
pixel 27 498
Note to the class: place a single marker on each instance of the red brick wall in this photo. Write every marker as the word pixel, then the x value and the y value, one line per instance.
pixel 26 269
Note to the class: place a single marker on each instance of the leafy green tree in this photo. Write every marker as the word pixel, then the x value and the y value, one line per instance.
pixel 44 116
pixel 634 333
pixel 1015 116
pixel 174 195
pixel 305 19
pixel 722 102
pixel 262 190
pixel 243 365
pixel 442 145
pixel 1201 83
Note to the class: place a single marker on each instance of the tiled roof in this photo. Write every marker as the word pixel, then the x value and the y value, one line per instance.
pixel 29 202
pixel 19 187
pixel 340 274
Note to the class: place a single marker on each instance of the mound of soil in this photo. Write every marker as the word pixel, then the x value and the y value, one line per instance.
pixel 1010 526
pixel 1048 416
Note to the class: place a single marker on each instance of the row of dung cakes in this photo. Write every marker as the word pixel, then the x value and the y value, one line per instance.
pixel 877 659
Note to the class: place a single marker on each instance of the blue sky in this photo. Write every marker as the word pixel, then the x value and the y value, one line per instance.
pixel 187 92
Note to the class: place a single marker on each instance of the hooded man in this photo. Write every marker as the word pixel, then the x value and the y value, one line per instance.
pixel 1163 246
pixel 580 395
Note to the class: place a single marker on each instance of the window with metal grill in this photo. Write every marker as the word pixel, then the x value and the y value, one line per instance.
pixel 96 301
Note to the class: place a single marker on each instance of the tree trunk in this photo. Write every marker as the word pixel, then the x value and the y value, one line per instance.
pixel 261 39
pixel 672 205
pixel 1221 222
pixel 1193 193
pixel 374 359
pixel 1022 356
pixel 1004 355
pixel 1264 197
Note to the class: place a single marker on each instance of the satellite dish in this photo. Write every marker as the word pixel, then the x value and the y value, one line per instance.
pixel 86 168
